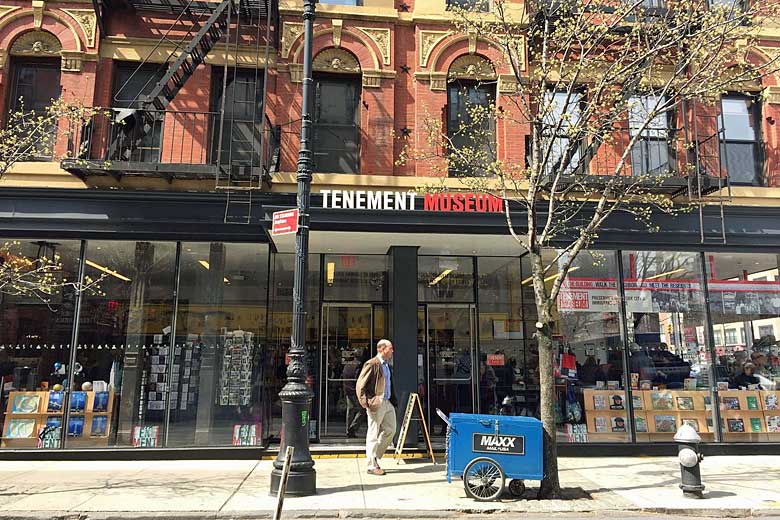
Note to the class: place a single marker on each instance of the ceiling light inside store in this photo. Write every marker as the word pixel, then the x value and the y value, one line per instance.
pixel 107 271
pixel 667 273
pixel 206 265
pixel 331 272
pixel 441 276
pixel 549 278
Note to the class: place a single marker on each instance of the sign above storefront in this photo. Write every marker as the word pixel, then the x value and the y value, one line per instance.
pixel 458 202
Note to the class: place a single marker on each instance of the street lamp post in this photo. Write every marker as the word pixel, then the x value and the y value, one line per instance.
pixel 296 395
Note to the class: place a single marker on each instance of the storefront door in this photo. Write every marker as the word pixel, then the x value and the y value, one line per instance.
pixel 451 354
pixel 347 341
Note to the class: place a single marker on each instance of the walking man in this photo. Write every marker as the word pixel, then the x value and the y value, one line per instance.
pixel 375 394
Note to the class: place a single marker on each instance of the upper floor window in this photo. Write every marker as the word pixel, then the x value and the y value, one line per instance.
pixel 342 2
pixel 650 153
pixel 739 145
pixel 470 5
pixel 135 137
pixel 562 115
pixel 35 83
pixel 336 123
pixel 730 5
pixel 471 127
pixel 243 118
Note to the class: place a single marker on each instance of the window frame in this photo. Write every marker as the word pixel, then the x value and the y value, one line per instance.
pixel 582 144
pixel 644 141
pixel 229 119
pixel 754 114
pixel 457 85
pixel 356 81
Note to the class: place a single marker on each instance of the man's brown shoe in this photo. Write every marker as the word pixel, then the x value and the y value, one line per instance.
pixel 376 471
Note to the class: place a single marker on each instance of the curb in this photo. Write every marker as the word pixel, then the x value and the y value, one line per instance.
pixel 395 514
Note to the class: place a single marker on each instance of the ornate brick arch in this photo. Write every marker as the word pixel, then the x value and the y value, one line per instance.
pixel 346 39
pixel 27 33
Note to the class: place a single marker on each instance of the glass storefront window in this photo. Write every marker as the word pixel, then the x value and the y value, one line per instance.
pixel 38 286
pixel 355 278
pixel 220 353
pixel 744 292
pixel 445 279
pixel 592 396
pixel 668 355
pixel 280 332
pixel 116 397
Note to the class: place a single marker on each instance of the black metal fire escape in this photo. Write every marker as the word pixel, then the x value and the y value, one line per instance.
pixel 129 140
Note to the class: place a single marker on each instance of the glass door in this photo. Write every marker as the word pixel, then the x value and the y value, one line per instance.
pixel 347 342
pixel 450 333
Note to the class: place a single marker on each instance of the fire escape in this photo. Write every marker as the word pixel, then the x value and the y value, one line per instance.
pixel 151 133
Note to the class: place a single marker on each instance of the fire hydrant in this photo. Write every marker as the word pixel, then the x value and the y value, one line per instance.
pixel 689 456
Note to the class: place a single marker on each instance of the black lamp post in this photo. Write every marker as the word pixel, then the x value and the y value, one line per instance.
pixel 296 396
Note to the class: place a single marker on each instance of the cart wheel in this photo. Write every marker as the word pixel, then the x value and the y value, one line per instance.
pixel 483 479
pixel 516 487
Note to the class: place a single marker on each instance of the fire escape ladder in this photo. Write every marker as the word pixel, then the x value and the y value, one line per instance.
pixel 192 55
pixel 708 161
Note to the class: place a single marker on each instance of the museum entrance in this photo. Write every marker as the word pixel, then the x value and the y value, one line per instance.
pixel 349 335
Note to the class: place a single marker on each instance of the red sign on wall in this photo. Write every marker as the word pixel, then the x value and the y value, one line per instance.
pixel 284 222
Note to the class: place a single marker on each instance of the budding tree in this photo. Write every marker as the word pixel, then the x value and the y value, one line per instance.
pixel 604 94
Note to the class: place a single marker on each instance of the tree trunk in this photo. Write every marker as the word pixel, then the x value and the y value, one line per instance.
pixel 550 487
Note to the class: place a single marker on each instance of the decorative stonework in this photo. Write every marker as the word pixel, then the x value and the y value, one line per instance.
pixel 472 42
pixel 507 84
pixel 438 81
pixel 371 78
pixel 772 95
pixel 38 6
pixel 71 61
pixel 381 37
pixel 429 40
pixel 472 66
pixel 296 72
pixel 5 9
pixel 338 25
pixel 36 43
pixel 87 21
pixel 336 60
pixel 290 32
pixel 3 57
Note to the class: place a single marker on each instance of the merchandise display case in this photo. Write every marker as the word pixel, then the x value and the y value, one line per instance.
pixel 35 419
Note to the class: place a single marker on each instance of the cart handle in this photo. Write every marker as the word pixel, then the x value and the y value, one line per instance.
pixel 443 417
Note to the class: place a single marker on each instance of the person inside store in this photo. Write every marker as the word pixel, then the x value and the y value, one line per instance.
pixel 356 414
pixel 747 377
pixel 375 393
pixel 588 371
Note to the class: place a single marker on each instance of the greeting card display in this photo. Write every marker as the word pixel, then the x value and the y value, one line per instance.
pixel 685 403
pixel 665 423
pixel 56 401
pixel 736 425
pixel 662 401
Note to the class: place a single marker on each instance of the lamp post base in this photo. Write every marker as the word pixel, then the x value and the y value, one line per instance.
pixel 299 483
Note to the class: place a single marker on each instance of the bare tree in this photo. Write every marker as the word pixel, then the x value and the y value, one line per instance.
pixel 30 135
pixel 605 93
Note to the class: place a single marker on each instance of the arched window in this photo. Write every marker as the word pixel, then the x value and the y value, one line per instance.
pixel 336 117
pixel 35 77
pixel 471 127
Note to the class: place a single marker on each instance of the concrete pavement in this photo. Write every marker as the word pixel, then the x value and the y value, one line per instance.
pixel 738 486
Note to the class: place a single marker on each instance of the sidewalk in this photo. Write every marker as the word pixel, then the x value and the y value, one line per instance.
pixel 738 486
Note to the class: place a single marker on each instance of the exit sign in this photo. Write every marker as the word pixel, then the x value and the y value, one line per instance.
pixel 284 222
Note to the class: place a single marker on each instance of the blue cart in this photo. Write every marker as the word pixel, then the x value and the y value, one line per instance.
pixel 485 450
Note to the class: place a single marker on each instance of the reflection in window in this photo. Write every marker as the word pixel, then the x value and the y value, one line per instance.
pixel 739 139
pixel 471 126
pixel 650 153
pixel 243 118
pixel 336 123
pixel 355 278
pixel 562 115
pixel 135 136
pixel 219 358
pixel 36 319
pixel 36 83
pixel 445 279
pixel 123 347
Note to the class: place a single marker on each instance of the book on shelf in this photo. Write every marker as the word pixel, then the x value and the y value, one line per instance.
pixel 665 423
pixel 685 403
pixel 755 424
pixel 599 402
pixel 640 424
pixel 730 403
pixel 616 402
pixel 601 424
pixel 735 425
pixel 693 423
pixel 618 424
pixel 662 401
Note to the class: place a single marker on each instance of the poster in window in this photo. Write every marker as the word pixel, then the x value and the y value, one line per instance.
pixel 247 434
pixel 145 436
